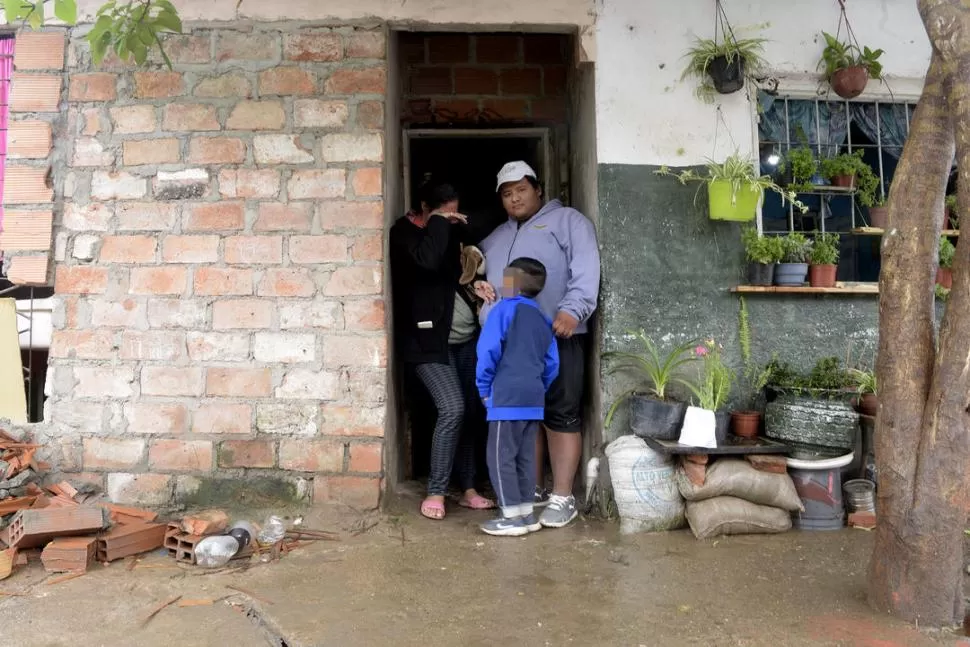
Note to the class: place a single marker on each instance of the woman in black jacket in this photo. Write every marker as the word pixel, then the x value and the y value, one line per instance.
pixel 436 330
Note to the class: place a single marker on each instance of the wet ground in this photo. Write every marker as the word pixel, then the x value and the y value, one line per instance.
pixel 409 581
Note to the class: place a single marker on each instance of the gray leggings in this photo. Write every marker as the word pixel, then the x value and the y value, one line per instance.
pixel 452 387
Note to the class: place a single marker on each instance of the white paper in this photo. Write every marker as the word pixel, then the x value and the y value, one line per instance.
pixel 698 429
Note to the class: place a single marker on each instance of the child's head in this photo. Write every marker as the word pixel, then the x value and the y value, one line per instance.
pixel 525 276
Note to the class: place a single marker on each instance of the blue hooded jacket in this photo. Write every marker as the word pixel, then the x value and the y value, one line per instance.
pixel 517 360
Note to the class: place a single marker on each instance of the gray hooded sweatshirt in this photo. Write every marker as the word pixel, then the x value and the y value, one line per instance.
pixel 563 240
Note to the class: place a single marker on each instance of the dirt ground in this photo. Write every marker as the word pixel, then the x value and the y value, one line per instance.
pixel 408 581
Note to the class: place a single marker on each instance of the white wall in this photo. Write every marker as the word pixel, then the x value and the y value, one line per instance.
pixel 646 115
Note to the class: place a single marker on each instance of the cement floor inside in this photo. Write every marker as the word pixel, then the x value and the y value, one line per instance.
pixel 409 581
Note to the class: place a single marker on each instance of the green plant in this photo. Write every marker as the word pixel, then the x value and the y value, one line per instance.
pixel 761 249
pixel 706 50
pixel 942 293
pixel 951 207
pixel 838 56
pixel 827 378
pixel 654 372
pixel 797 248
pixel 864 379
pixel 804 166
pixel 737 170
pixel 755 377
pixel 825 249
pixel 846 164
pixel 714 385
pixel 951 202
pixel 947 252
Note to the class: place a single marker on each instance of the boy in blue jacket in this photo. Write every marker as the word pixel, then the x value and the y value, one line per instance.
pixel 517 361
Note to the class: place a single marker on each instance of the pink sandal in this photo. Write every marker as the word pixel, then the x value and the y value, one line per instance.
pixel 477 502
pixel 434 510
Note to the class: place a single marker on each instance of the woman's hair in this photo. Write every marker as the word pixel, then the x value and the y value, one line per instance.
pixel 434 194
pixel 532 275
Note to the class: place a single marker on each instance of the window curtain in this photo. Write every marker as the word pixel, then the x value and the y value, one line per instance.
pixel 891 127
pixel 6 72
pixel 824 135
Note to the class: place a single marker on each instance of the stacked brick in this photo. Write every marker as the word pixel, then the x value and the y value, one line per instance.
pixel 220 281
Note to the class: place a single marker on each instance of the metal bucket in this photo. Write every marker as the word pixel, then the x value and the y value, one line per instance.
pixel 860 495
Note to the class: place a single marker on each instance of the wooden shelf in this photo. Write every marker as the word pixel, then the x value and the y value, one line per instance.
pixel 840 288
pixel 827 189
pixel 877 231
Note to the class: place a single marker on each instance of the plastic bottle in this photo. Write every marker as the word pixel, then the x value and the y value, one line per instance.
pixel 273 531
pixel 215 551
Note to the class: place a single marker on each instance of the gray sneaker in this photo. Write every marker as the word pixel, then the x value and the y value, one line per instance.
pixel 560 511
pixel 541 498
pixel 531 522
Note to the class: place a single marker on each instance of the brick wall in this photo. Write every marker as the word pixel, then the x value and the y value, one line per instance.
pixel 221 313
pixel 487 78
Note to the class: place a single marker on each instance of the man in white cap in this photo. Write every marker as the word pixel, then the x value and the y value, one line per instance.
pixel 564 241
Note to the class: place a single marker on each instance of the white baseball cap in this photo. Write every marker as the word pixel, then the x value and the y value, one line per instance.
pixel 513 172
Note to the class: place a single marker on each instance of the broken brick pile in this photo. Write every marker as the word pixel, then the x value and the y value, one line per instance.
pixel 20 472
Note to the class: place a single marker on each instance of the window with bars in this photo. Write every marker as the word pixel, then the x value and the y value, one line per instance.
pixel 830 128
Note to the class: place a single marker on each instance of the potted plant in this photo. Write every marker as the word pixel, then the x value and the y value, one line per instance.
pixel 952 220
pixel 746 422
pixel 711 389
pixel 723 67
pixel 804 167
pixel 733 189
pixel 850 170
pixel 762 253
pixel 653 413
pixel 823 260
pixel 944 273
pixel 879 213
pixel 849 68
pixel 865 379
pixel 793 268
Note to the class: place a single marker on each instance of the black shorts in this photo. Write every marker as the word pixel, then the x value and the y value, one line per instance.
pixel 564 401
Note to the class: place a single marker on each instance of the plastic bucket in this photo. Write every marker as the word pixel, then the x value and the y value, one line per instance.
pixel 726 205
pixel 819 486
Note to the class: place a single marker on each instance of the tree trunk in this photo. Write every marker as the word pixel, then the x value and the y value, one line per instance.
pixel 916 571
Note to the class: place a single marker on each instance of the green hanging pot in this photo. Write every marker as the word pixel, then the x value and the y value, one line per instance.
pixel 742 208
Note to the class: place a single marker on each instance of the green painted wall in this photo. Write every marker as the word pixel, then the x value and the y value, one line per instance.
pixel 667 268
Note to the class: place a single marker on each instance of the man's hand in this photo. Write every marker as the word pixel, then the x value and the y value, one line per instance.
pixel 484 291
pixel 452 217
pixel 564 325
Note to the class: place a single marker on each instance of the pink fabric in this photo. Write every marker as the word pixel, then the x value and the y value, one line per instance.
pixel 6 72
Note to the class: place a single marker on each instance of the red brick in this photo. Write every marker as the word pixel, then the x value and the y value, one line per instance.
pixel 368 247
pixel 256 115
pixel 315 113
pixel 176 313
pixel 242 313
pixel 367 80
pixel 249 183
pixel 94 123
pixel 286 80
pixel 549 109
pixel 223 86
pixel 158 345
pixel 508 108
pixel 186 49
pixel 357 491
pixel 147 216
pixel 367 182
pixel 93 87
pixel 190 249
pixel 366 457
pixel 181 117
pixel 126 313
pixel 353 350
pixel 39 51
pixel 171 380
pixel 317 183
pixel 287 282
pixel 862 519
pixel 417 110
pixel 76 279
pixel 357 280
pixel 152 418
pixel 497 48
pixel 238 383
pixel 254 250
pixel 367 44
pixel 247 453
pixel 158 85
pixel 222 418
pixel 544 48
pixel 458 110
pixel 133 119
pixel 252 46
pixel 370 115
pixel 522 81
pixel 413 49
pixel 112 453
pixel 430 80
pixel 274 216
pixel 322 46
pixel 214 216
pixel 312 455
pixel 128 249
pixel 218 281
pixel 318 249
pixel 448 48
pixel 343 420
pixel 181 455
pixel 554 80
pixel 350 215
pixel 364 314
pixel 140 489
pixel 82 344
pixel 474 80
pixel 218 346
pixel 90 217
pixel 157 280
pixel 152 151
pixel 217 150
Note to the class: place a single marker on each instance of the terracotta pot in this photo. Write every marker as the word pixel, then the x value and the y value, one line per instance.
pixel 849 82
pixel 944 277
pixel 822 276
pixel 745 424
pixel 845 181
pixel 878 217
pixel 869 405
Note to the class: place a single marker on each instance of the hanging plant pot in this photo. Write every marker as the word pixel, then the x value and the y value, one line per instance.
pixel 845 181
pixel 791 274
pixel 878 217
pixel 728 77
pixel 849 82
pixel 867 405
pixel 739 207
pixel 944 277
pixel 822 276
pixel 761 273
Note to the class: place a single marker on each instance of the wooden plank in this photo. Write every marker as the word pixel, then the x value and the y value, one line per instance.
pixel 28 270
pixel 878 231
pixel 26 231
pixel 26 185
pixel 28 139
pixel 840 288
pixel 35 92
pixel 39 51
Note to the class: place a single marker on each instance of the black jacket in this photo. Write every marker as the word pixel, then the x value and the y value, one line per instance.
pixel 425 268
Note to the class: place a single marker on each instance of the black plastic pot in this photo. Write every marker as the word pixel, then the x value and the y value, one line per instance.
pixel 650 418
pixel 727 77
pixel 761 273
pixel 722 424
